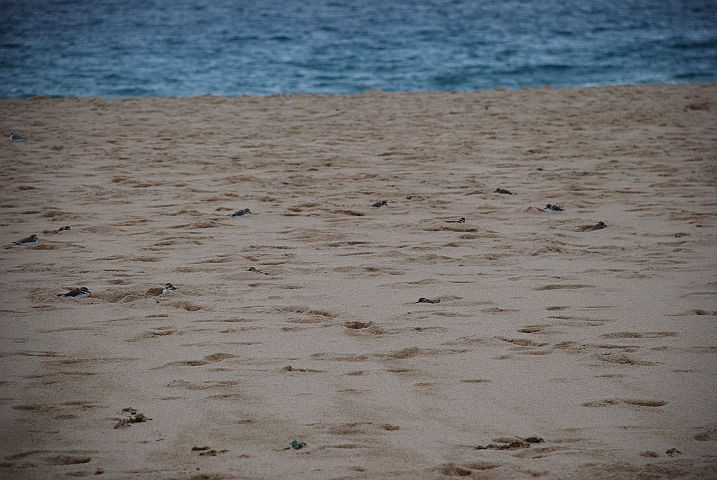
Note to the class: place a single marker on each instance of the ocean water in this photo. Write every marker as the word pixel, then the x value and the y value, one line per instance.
pixel 133 48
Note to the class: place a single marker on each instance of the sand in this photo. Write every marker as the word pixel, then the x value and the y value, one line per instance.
pixel 555 351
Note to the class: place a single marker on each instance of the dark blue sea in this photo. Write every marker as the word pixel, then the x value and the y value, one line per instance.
pixel 136 48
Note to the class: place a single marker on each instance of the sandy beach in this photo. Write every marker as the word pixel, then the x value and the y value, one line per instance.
pixel 552 349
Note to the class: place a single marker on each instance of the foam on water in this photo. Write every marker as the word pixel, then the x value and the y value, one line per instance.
pixel 128 48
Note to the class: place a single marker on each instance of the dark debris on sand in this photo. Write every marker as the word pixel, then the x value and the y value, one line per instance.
pixel 134 417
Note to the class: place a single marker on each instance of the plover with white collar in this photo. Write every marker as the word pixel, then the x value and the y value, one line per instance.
pixel 30 241
pixel 427 300
pixel 81 292
pixel 240 213
pixel 552 208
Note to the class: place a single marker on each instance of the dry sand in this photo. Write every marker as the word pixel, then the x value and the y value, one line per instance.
pixel 602 343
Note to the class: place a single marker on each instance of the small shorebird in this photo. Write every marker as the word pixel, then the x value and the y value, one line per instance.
pixel 168 287
pixel 460 220
pixel 381 204
pixel 252 269
pixel 426 300
pixel 30 241
pixel 599 226
pixel 62 229
pixel 240 213
pixel 16 138
pixel 503 191
pixel 81 292
pixel 553 208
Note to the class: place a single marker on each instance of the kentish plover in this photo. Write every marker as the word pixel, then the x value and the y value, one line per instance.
pixel 552 208
pixel 426 300
pixel 27 242
pixel 81 292
pixel 240 213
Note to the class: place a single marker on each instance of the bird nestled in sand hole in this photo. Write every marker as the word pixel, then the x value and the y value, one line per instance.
pixel 381 204
pixel 599 226
pixel 66 228
pixel 15 137
pixel 28 241
pixel 427 300
pixel 168 287
pixel 240 213
pixel 460 220
pixel 81 292
pixel 503 191
pixel 552 208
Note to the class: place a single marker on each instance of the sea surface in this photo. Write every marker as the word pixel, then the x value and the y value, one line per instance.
pixel 132 48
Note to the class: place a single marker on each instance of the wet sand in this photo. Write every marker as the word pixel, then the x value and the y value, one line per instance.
pixel 552 350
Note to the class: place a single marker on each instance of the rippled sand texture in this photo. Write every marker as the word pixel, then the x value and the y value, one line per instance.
pixel 601 343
